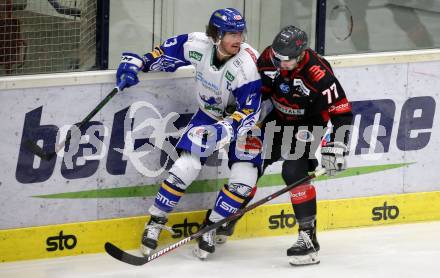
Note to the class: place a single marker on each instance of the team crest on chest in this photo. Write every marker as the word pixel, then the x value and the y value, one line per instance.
pixel 284 88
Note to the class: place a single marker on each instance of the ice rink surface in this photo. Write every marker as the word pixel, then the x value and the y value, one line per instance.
pixel 407 250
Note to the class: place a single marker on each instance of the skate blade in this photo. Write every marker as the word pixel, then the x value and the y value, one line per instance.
pixel 221 239
pixel 304 260
pixel 146 251
pixel 201 254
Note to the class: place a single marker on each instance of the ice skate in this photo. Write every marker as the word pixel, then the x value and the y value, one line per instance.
pixel 305 250
pixel 225 231
pixel 206 243
pixel 151 234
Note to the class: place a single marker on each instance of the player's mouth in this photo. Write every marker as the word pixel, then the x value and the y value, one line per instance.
pixel 235 47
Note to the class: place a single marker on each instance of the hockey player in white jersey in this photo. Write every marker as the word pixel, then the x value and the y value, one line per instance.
pixel 228 92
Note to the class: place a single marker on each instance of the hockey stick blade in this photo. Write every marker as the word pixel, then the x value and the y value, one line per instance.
pixel 120 255
pixel 125 257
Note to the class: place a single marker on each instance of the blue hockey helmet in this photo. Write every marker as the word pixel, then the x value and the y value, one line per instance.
pixel 227 20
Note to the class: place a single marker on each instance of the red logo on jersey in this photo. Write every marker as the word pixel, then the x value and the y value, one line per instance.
pixel 316 73
pixel 341 107
pixel 299 42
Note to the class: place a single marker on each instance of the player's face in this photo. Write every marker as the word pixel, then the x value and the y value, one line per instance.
pixel 231 41
pixel 289 64
pixel 286 64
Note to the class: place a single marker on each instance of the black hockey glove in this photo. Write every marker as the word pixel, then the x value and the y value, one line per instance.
pixel 334 157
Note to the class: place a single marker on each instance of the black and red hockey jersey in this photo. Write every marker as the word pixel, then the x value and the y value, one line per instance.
pixel 308 95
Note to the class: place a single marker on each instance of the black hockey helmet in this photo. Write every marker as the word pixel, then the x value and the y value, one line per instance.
pixel 288 44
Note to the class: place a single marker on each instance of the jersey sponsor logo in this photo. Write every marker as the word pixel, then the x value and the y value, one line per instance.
pixel 217 111
pixel 288 110
pixel 238 62
pixel 229 76
pixel 282 221
pixel 254 57
pixel 196 55
pixel 299 86
pixel 385 212
pixel 316 73
pixel 340 108
pixel 210 100
pixel 284 88
pixel 207 84
pixel 211 103
pixel 61 241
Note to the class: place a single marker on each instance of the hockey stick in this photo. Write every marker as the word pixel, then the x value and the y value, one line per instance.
pixel 125 257
pixel 37 150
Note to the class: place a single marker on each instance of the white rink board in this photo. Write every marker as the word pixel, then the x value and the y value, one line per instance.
pixel 402 85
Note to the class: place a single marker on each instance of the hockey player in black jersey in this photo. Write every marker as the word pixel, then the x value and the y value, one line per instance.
pixel 305 95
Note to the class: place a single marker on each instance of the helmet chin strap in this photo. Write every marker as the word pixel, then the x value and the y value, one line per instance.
pixel 217 47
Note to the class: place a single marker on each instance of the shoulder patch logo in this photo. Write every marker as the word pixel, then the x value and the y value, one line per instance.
pixel 196 55
pixel 237 62
pixel 316 73
pixel 254 57
pixel 229 76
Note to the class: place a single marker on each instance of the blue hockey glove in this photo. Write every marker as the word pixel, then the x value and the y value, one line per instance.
pixel 128 69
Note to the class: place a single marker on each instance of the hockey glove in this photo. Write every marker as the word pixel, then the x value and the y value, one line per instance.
pixel 225 133
pixel 212 137
pixel 128 69
pixel 333 157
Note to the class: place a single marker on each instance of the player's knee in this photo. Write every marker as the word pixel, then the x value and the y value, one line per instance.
pixel 244 173
pixel 293 171
pixel 184 171
pixel 291 176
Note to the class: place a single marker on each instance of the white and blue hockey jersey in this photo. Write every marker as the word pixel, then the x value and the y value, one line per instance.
pixel 235 84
